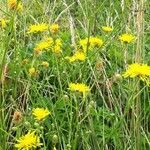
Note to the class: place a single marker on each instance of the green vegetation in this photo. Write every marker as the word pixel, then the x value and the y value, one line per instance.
pixel 70 83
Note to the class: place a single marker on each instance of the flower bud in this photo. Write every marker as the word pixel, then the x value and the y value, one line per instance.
pixel 27 123
pixel 14 128
pixel 55 139
pixel 117 77
pixel 68 147
pixel 36 125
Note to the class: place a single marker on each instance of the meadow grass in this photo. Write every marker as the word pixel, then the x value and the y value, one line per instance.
pixel 114 114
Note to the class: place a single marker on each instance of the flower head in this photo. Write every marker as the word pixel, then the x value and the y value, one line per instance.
pixel 14 5
pixel 77 56
pixel 54 28
pixel 91 42
pixel 107 29
pixel 127 38
pixel 40 113
pixel 3 23
pixel 37 28
pixel 33 71
pixel 138 70
pixel 57 46
pixel 25 61
pixel 45 64
pixel 28 141
pixel 79 87
pixel 43 45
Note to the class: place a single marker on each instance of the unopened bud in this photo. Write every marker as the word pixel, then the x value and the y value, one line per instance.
pixel 36 125
pixel 14 128
pixel 55 139
pixel 117 77
pixel 27 123
pixel 68 147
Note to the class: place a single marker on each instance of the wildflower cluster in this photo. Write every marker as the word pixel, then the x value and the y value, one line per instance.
pixel 31 139
pixel 56 79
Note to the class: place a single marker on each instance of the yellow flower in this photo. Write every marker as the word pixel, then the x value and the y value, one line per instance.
pixel 127 38
pixel 56 49
pixel 49 40
pixel 25 61
pixel 77 56
pixel 91 42
pixel 58 42
pixel 43 45
pixel 3 23
pixel 79 87
pixel 107 29
pixel 54 28
pixel 45 64
pixel 37 28
pixel 33 71
pixel 57 46
pixel 14 5
pixel 40 113
pixel 28 141
pixel 80 56
pixel 19 7
pixel 138 70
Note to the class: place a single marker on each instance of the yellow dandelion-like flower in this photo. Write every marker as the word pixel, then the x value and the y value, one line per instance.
pixel 28 141
pixel 58 42
pixel 57 46
pixel 44 45
pixel 91 43
pixel 56 49
pixel 25 61
pixel 107 29
pixel 54 28
pixel 40 113
pixel 70 58
pixel 45 64
pixel 37 28
pixel 94 41
pixel 138 70
pixel 80 56
pixel 33 71
pixel 77 56
pixel 14 5
pixel 49 40
pixel 127 38
pixel 3 23
pixel 19 7
pixel 79 87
